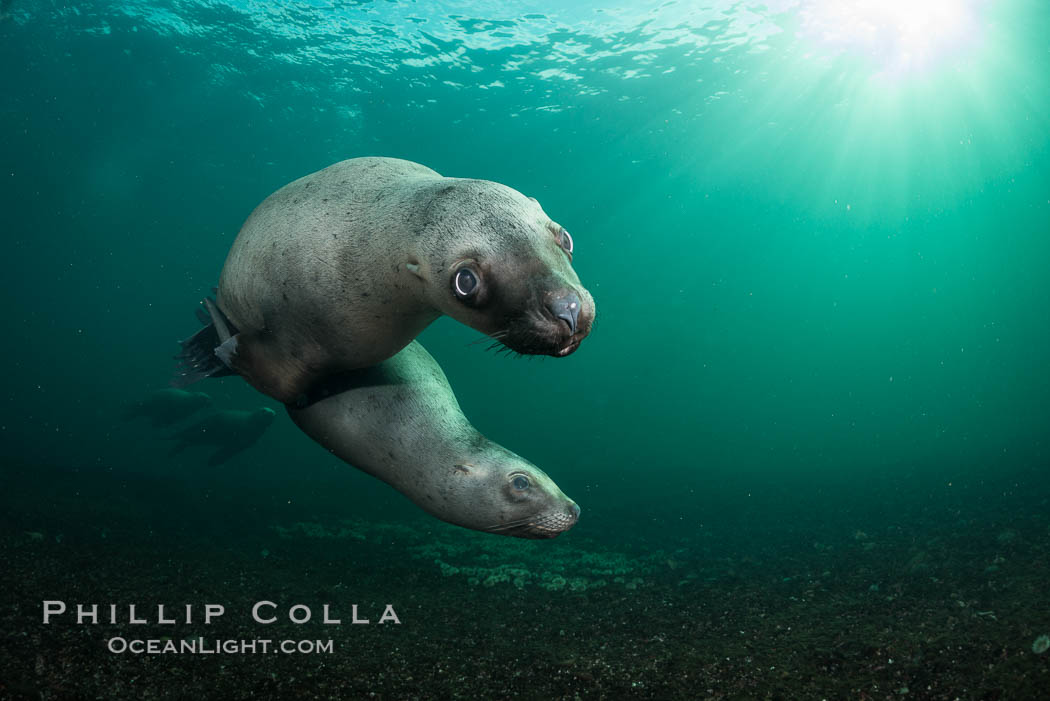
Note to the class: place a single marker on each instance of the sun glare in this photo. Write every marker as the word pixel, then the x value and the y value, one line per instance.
pixel 896 36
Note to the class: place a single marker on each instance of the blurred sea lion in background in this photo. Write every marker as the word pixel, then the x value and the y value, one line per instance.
pixel 166 407
pixel 231 431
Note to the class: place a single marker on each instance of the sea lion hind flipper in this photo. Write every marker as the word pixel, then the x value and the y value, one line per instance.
pixel 198 358
pixel 226 352
pixel 227 335
pixel 223 327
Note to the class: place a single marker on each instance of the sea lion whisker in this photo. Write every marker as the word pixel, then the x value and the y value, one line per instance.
pixel 510 525
pixel 491 337
pixel 500 530
pixel 504 349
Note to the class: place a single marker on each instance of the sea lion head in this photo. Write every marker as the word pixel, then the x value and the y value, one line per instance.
pixel 496 262
pixel 501 493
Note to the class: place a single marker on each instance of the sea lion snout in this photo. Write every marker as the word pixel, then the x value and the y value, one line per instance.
pixel 573 314
pixel 566 307
pixel 551 524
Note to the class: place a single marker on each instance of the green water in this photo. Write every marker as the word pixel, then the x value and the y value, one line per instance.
pixel 818 240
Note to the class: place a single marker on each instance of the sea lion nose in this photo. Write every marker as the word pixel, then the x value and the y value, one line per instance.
pixel 567 308
pixel 574 509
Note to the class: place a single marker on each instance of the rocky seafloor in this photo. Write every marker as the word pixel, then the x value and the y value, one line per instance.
pixel 938 603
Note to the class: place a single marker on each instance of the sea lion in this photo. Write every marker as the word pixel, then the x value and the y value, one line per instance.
pixel 400 421
pixel 166 406
pixel 341 269
pixel 231 430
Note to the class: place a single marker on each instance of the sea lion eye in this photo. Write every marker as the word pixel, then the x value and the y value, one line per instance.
pixel 520 482
pixel 466 283
pixel 565 241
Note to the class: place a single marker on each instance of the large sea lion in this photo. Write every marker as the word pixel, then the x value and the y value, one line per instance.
pixel 400 421
pixel 230 431
pixel 341 269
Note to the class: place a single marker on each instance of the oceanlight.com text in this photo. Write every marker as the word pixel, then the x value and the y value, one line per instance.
pixel 204 646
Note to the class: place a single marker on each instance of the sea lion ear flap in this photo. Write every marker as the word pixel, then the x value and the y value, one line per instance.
pixel 413 267
pixel 462 469
pixel 534 200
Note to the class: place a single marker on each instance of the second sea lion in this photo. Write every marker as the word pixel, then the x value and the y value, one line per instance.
pixel 400 422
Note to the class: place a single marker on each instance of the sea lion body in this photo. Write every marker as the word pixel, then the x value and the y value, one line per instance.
pixel 399 421
pixel 341 269
pixel 312 282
